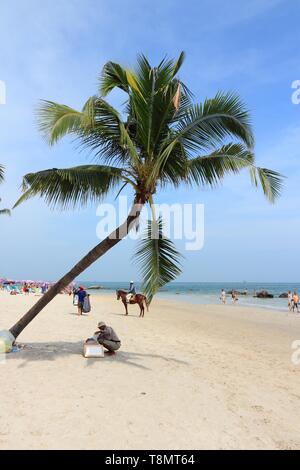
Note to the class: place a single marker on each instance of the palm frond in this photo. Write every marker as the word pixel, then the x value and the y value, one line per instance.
pixel 156 108
pixel 175 170
pixel 5 212
pixel 212 168
pixel 98 127
pixel 71 187
pixel 1 173
pixel 163 132
pixel 57 120
pixel 206 126
pixel 177 65
pixel 113 76
pixel 108 137
pixel 270 181
pixel 157 259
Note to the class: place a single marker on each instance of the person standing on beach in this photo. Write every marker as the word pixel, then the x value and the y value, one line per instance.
pixel 223 296
pixel 295 302
pixel 107 337
pixel 290 300
pixel 81 296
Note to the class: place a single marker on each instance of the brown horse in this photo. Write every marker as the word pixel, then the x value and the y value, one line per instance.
pixel 139 299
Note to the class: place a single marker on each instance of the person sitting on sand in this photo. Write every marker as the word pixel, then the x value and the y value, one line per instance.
pixel 107 337
pixel 81 296
pixel 131 291
pixel 295 302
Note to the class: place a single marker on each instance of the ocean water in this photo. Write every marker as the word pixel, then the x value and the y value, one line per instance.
pixel 208 292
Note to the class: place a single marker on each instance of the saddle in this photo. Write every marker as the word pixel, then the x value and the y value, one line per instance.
pixel 132 299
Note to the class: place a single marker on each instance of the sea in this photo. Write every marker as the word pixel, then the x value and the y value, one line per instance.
pixel 207 292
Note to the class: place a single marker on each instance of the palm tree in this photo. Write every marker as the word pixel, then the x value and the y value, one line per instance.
pixel 3 211
pixel 164 139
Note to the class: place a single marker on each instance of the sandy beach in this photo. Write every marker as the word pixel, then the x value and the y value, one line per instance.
pixel 187 376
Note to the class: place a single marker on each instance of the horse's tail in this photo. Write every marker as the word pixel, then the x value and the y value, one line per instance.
pixel 147 303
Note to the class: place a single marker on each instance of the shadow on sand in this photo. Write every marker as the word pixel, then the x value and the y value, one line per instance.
pixel 51 351
pixel 123 314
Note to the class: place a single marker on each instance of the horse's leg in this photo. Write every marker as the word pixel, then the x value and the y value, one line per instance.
pixel 125 305
pixel 141 309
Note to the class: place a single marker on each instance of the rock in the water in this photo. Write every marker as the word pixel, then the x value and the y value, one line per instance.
pixel 264 294
pixel 283 295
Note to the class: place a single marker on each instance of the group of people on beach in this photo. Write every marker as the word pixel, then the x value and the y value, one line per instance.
pixel 33 288
pixel 234 297
pixel 293 299
pixel 26 288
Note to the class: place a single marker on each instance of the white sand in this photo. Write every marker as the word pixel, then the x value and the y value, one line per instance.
pixel 187 376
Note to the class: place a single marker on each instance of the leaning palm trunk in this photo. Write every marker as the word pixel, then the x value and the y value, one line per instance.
pixel 98 251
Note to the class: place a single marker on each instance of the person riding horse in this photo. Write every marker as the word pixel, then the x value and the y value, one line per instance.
pixel 139 299
pixel 131 292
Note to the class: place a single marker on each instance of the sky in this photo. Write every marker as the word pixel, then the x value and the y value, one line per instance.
pixel 56 50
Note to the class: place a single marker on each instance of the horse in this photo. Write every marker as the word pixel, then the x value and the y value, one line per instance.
pixel 139 299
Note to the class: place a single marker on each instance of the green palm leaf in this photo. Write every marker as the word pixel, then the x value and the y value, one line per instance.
pixel 1 173
pixel 206 126
pixel 98 127
pixel 108 137
pixel 212 168
pixel 57 120
pixel 270 181
pixel 71 187
pixel 5 212
pixel 113 76
pixel 157 258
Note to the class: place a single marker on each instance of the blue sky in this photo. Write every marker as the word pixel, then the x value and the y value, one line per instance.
pixel 55 50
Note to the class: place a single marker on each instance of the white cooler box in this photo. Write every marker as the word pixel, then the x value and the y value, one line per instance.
pixel 93 349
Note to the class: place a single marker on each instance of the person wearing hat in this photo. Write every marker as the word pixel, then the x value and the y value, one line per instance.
pixel 131 291
pixel 81 293
pixel 107 337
